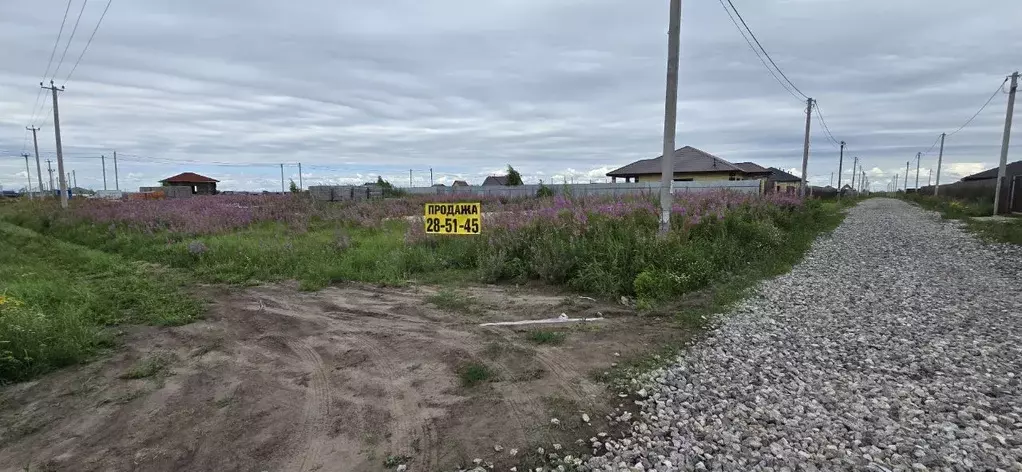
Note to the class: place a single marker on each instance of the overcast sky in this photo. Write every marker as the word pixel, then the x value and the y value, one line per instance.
pixel 557 88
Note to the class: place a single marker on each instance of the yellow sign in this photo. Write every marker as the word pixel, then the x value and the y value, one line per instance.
pixel 453 218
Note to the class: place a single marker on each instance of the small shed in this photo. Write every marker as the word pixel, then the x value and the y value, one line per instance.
pixel 199 184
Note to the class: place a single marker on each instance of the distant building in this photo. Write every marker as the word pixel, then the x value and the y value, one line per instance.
pixel 459 183
pixel 494 180
pixel 782 182
pixel 199 184
pixel 690 164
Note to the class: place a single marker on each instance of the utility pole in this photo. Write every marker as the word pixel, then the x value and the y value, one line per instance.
pixel 409 178
pixel 940 158
pixel 906 175
pixel 805 147
pixel 670 117
pixel 117 184
pixel 840 164
pixel 301 183
pixel 28 172
pixel 1004 142
pixel 60 150
pixel 102 158
pixel 282 179
pixel 38 167
pixel 49 169
pixel 74 179
pixel 831 179
pixel 855 163
pixel 895 183
pixel 919 155
pixel 929 177
pixel 862 182
pixel 430 176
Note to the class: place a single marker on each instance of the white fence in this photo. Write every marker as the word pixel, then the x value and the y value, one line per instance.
pixel 602 189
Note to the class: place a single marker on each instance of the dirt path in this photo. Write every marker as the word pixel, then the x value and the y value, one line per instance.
pixel 351 378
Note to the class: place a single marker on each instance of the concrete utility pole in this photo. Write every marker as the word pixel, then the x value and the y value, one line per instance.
pixel 102 159
pixel 74 179
pixel 28 172
pixel 301 184
pixel 840 164
pixel 117 184
pixel 282 179
pixel 1004 142
pixel 929 177
pixel 49 169
pixel 409 178
pixel 862 182
pixel 670 117
pixel 60 150
pixel 907 163
pixel 940 158
pixel 919 155
pixel 855 162
pixel 38 167
pixel 895 183
pixel 805 147
pixel 430 176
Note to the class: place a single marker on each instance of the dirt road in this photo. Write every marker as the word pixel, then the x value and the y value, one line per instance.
pixel 350 378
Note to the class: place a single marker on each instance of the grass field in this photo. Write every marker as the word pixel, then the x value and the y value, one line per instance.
pixel 76 274
pixel 58 301
pixel 966 210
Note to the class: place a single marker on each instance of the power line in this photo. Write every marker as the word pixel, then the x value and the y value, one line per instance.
pixel 933 145
pixel 765 53
pixel 70 38
pixel 93 35
pixel 980 109
pixel 819 114
pixel 756 51
pixel 50 62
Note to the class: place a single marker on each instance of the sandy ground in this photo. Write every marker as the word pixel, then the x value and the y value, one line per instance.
pixel 342 379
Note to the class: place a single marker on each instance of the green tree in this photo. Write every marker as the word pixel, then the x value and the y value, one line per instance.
pixel 513 177
pixel 294 187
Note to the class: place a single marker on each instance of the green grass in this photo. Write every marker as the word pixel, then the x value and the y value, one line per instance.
pixel 61 301
pixel 998 231
pixel 149 366
pixel 546 336
pixel 475 373
pixel 452 300
pixel 949 208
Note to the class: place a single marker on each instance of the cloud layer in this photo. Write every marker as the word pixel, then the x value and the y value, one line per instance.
pixel 561 90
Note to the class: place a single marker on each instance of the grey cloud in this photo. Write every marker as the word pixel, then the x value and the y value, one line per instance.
pixel 559 89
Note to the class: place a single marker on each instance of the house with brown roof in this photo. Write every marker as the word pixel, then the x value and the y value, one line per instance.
pixel 199 184
pixel 690 164
pixel 495 180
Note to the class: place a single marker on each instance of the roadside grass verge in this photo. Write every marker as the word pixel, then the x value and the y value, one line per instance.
pixel 59 299
pixel 451 300
pixel 1009 231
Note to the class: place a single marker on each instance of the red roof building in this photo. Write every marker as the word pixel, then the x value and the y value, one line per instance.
pixel 200 184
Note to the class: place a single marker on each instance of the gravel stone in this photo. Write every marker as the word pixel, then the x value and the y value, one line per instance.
pixel 896 344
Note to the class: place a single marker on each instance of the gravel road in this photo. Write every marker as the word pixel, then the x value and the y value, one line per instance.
pixel 896 345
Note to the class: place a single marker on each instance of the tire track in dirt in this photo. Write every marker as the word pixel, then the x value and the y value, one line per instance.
pixel 314 422
pixel 404 427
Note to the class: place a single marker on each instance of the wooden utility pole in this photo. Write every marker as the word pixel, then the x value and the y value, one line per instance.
pixel 940 158
pixel 60 150
pixel 670 117
pixel 840 164
pixel 805 147
pixel 102 159
pixel 1004 142
pixel 38 167
pixel 117 184
pixel 28 172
